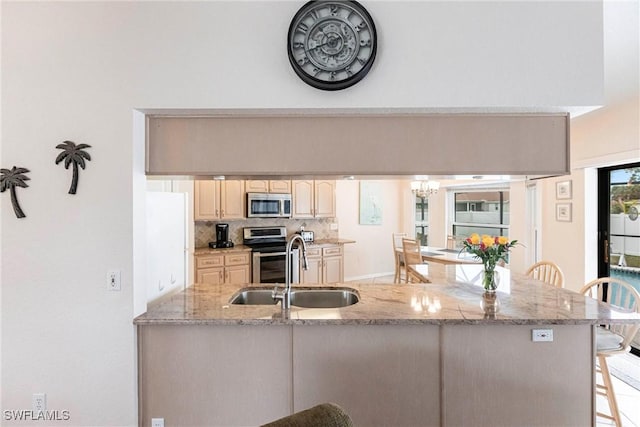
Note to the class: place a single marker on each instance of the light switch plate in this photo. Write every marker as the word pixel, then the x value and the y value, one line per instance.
pixel 157 422
pixel 542 335
pixel 113 280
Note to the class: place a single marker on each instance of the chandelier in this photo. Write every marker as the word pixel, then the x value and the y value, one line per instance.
pixel 424 189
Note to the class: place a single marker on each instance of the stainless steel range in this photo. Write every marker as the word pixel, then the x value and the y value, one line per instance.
pixel 268 246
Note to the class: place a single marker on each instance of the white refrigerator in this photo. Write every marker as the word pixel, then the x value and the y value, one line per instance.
pixel 167 245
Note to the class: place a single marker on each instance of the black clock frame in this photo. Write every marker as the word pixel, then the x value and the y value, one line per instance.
pixel 341 84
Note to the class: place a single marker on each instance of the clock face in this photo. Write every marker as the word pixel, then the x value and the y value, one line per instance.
pixel 332 44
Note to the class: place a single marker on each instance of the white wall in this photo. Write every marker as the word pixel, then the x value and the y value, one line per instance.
pixel 78 71
pixel 606 137
pixel 518 226
pixel 372 254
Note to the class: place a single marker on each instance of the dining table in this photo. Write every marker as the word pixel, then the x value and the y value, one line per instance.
pixel 444 256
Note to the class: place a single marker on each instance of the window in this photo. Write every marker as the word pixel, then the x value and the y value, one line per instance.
pixel 422 220
pixel 482 211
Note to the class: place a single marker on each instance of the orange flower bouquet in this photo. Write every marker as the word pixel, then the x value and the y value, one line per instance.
pixel 490 250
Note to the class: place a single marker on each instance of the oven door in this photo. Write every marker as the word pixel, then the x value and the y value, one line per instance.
pixel 269 267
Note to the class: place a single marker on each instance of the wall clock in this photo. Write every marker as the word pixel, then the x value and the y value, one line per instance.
pixel 332 44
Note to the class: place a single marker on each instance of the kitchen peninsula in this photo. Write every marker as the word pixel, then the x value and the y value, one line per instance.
pixel 429 354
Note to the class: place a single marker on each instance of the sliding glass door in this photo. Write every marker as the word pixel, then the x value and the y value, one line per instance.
pixel 619 225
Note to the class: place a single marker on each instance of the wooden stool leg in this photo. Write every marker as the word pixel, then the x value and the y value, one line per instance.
pixel 611 396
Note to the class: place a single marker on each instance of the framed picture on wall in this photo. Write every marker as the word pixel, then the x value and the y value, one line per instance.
pixel 563 212
pixel 370 203
pixel 563 190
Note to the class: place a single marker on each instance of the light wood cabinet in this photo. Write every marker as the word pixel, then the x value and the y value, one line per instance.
pixel 256 186
pixel 229 267
pixel 213 276
pixel 332 269
pixel 219 200
pixel 206 201
pixel 314 199
pixel 268 186
pixel 313 273
pixel 325 265
pixel 302 194
pixel 324 199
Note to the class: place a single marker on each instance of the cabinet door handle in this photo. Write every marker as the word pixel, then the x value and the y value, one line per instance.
pixel 222 213
pixel 217 212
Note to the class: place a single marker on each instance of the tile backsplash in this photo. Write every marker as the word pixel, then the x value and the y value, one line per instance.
pixel 205 231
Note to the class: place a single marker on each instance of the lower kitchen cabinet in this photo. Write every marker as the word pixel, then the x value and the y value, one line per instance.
pixel 326 265
pixel 227 267
pixel 240 375
pixel 382 375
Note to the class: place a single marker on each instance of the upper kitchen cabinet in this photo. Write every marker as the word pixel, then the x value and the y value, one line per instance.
pixel 218 200
pixel 314 199
pixel 268 186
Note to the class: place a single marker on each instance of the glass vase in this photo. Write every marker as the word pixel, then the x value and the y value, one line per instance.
pixel 490 279
pixel 490 304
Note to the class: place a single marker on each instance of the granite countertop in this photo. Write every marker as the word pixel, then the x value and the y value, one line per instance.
pixel 210 251
pixel 240 247
pixel 329 242
pixel 454 297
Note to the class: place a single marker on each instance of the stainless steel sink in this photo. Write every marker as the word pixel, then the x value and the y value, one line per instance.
pixel 300 297
pixel 324 298
pixel 253 296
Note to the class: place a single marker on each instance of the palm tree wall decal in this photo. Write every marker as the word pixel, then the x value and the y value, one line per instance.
pixel 75 155
pixel 9 180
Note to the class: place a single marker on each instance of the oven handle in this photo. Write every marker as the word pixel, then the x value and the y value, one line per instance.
pixel 267 254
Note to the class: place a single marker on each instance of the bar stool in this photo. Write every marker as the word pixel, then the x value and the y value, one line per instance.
pixel 548 272
pixel 612 339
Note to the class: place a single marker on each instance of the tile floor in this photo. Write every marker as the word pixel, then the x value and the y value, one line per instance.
pixel 625 366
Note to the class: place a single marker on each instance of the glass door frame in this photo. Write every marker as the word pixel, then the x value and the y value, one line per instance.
pixel 604 221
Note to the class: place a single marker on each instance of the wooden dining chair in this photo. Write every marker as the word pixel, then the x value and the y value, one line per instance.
pixel 413 259
pixel 612 339
pixel 548 272
pixel 398 256
pixel 452 242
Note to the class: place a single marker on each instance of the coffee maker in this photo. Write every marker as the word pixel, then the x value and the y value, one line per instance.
pixel 222 237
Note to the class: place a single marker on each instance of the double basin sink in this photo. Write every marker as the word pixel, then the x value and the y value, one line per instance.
pixel 300 297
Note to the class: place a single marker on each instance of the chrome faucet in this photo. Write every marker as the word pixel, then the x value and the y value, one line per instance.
pixel 285 295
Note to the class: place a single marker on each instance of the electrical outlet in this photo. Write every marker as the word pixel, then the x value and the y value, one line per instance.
pixel 157 422
pixel 334 226
pixel 113 280
pixel 542 335
pixel 39 402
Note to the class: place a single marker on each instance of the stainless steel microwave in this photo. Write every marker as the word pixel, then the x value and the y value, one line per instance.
pixel 268 205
